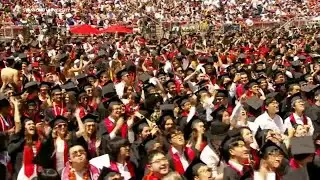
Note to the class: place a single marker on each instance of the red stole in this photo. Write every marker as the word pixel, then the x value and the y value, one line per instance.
pixel 190 155
pixel 184 114
pixel 65 154
pixel 110 126
pixel 28 156
pixel 84 111
pixel 230 109
pixel 114 167
pixel 239 90
pixel 240 173
pixel 293 120
pixel 318 152
pixel 92 147
pixel 294 164
pixel 58 111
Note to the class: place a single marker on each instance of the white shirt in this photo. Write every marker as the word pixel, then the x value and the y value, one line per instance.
pixel 236 165
pixel 266 122
pixel 268 176
pixel 60 154
pixel 299 120
pixel 124 171
pixel 211 159
pixel 119 89
pixel 182 158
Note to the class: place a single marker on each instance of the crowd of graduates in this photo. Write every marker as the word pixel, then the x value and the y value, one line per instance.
pixel 240 105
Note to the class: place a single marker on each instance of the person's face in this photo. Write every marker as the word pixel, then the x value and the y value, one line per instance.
pixel 125 78
pixel 84 99
pixel 240 151
pixel 61 128
pixel 58 96
pixel 115 177
pixel 244 78
pixel 77 155
pixel 272 136
pixel 89 91
pixel 299 105
pixel 90 127
pixel 32 109
pixel 43 90
pixel 255 89
pixel 187 106
pixel 204 173
pixel 125 151
pixel 162 79
pixel 159 164
pixel 280 79
pixel 273 107
pixel 145 132
pixel 177 139
pixel 247 136
pixel 296 89
pixel 104 78
pixel 116 111
pixel 200 127
pixel 24 67
pixel 201 77
pixel 226 117
pixel 263 84
pixel 30 127
pixel 130 90
pixel 169 124
pixel 300 131
pixel 172 89
pixel 274 160
pixel 208 69
pixel 309 80
pixel 221 100
pixel 67 98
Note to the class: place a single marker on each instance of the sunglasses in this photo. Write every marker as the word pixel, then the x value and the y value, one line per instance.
pixel 61 125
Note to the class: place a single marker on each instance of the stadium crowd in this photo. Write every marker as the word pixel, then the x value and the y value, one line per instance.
pixel 242 104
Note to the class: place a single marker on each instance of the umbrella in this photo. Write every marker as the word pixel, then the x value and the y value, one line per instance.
pixel 117 29
pixel 84 29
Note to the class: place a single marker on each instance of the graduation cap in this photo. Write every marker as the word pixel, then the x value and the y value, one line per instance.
pixel 217 113
pixel 45 85
pixel 70 87
pixel 254 102
pixel 82 80
pixel 302 145
pixel 152 99
pixel 182 100
pixel 23 56
pixel 148 87
pixel 121 73
pixel 114 100
pixel 34 44
pixel 89 118
pixel 261 136
pixel 130 66
pixel 292 99
pixel 107 173
pixel 138 126
pixel 252 83
pixel 296 63
pixel 272 96
pixel 81 93
pixel 99 73
pixel 57 120
pixel 309 88
pixel 62 57
pixel 260 79
pixel 222 93
pixel 144 77
pixel 269 147
pixel 193 168
pixel 32 85
pixel 108 90
pixel 231 140
pixel 217 130
pixel 55 89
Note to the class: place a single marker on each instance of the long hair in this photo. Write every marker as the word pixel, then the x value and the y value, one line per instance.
pixel 114 147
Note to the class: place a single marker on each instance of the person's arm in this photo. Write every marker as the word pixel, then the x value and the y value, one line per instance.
pixel 81 130
pixel 79 68
pixel 17 120
pixel 311 128
pixel 190 76
pixel 116 129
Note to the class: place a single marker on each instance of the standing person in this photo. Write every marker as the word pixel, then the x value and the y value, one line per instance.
pixel 158 166
pixel 58 107
pixel 179 155
pixel 271 157
pixel 298 116
pixel 235 154
pixel 78 167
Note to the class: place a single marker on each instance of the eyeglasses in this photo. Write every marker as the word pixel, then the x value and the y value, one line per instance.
pixel 80 152
pixel 164 159
pixel 61 125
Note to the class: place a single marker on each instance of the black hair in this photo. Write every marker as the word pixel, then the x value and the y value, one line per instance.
pixel 152 154
pixel 114 147
pixel 300 157
pixel 270 100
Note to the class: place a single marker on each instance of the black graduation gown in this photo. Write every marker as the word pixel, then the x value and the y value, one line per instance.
pixel 231 174
pixel 138 158
pixel 15 150
pixel 45 156
pixel 314 168
pixel 103 113
pixel 313 112
pixel 297 174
